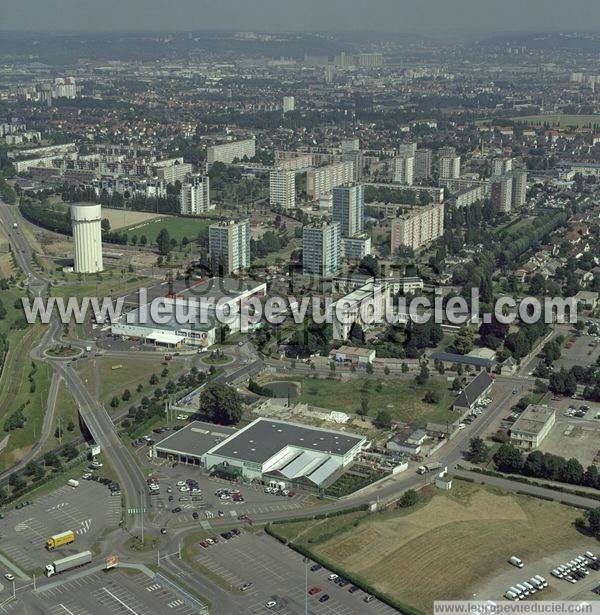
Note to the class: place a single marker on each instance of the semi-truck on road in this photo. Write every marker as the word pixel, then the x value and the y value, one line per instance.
pixel 59 540
pixel 429 467
pixel 68 563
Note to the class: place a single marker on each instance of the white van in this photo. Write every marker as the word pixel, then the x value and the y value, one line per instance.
pixel 516 591
pixel 510 595
pixel 523 589
pixel 515 561
pixel 542 580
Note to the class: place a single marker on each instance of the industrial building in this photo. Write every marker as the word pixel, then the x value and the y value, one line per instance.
pixel 294 454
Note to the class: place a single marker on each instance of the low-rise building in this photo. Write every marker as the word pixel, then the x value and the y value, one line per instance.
pixel 534 424
pixel 353 356
pixel 473 393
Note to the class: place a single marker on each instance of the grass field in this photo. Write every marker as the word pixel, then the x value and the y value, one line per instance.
pixel 105 383
pixel 402 398
pixel 120 218
pixel 561 120
pixel 106 285
pixel 178 228
pixel 65 412
pixel 445 547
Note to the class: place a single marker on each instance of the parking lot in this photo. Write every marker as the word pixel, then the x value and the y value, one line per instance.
pixel 277 573
pixel 86 510
pixel 206 503
pixel 114 592
pixel 558 588
pixel 584 350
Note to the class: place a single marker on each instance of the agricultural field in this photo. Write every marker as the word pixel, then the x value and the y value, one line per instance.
pixel 446 547
pixel 121 218
pixel 107 377
pixel 560 120
pixel 178 228
pixel 402 398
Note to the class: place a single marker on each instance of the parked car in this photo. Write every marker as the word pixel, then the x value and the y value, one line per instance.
pixel 324 598
pixel 314 590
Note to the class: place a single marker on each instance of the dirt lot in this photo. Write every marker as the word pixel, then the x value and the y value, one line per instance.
pixel 450 546
pixel 120 218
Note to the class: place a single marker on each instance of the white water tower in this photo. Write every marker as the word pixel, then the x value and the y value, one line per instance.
pixel 86 219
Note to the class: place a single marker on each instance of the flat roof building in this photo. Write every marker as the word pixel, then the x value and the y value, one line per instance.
pixel 233 150
pixel 534 424
pixel 229 246
pixel 293 453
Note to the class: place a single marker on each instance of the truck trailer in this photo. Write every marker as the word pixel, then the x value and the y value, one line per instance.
pixel 68 563
pixel 59 540
pixel 429 467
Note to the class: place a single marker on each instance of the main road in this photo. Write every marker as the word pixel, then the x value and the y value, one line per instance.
pixel 93 414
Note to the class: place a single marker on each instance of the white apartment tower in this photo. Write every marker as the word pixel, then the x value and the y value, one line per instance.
pixel 229 246
pixel 417 228
pixel 195 196
pixel 349 209
pixel 289 104
pixel 502 194
pixel 86 219
pixel 449 167
pixel 321 249
pixel 404 169
pixel 282 188
pixel 519 188
pixel 423 164
pixel 228 152
pixel 501 166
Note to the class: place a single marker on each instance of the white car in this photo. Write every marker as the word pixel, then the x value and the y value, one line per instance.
pixel 270 604
pixel 461 425
pixel 184 489
pixel 333 577
pixel 182 417
pixel 9 577
pixel 181 483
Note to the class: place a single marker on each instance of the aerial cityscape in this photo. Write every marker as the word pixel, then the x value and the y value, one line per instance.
pixel 299 313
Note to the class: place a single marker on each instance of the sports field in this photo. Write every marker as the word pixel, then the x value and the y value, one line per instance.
pixel 560 120
pixel 178 228
pixel 444 548
pixel 120 218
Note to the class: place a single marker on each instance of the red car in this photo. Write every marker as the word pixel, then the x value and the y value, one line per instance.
pixel 314 590
pixel 204 544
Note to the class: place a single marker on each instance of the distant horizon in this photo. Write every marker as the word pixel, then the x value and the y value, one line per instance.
pixel 279 16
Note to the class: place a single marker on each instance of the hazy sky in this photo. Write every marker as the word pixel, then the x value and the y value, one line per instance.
pixel 378 15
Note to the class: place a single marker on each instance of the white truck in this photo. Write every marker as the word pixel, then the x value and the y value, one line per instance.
pixel 429 467
pixel 73 483
pixel 68 563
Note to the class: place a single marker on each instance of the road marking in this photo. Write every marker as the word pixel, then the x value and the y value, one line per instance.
pixel 66 609
pixel 123 604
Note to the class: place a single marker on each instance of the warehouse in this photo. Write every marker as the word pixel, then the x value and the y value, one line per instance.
pixel 188 444
pixel 225 295
pixel 294 454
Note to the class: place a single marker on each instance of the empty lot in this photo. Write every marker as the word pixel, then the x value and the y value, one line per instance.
pixel 445 548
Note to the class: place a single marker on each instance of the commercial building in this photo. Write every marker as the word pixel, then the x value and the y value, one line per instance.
pixel 228 152
pixel 321 249
pixel 349 209
pixel 423 159
pixel 357 247
pixel 195 195
pixel 519 188
pixel 296 455
pixel 449 167
pixel 86 220
pixel 289 104
pixel 229 246
pixel 418 227
pixel 534 424
pixel 364 306
pixel 321 181
pixel 502 194
pixel 404 168
pixel 282 188
pixel 191 315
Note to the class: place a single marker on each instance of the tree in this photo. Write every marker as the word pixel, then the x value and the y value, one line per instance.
pixel 478 451
pixel 51 459
pixel 572 472
pixel 17 482
pixel 508 458
pixel 423 376
pixel 431 397
pixel 163 242
pixel 126 395
pixel 386 370
pixel 590 477
pixel 405 368
pixel 592 516
pixel 114 402
pixel 409 498
pixel 383 420
pixel 153 379
pixel 34 469
pixel 221 403
pixel 457 384
pixel 463 342
pixel 70 451
pixel 364 407
pixel 534 464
